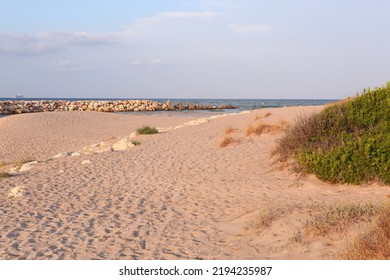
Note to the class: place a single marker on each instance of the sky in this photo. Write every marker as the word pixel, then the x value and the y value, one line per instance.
pixel 255 49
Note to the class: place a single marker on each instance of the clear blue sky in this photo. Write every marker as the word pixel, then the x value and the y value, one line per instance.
pixel 193 49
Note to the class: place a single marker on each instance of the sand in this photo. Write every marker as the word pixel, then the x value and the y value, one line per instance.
pixel 177 195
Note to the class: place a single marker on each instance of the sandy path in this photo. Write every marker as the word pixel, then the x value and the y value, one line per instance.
pixel 42 135
pixel 178 195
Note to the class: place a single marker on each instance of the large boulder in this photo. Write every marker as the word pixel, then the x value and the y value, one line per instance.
pixel 180 106
pixel 170 106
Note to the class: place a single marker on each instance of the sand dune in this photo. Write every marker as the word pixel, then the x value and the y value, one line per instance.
pixel 177 195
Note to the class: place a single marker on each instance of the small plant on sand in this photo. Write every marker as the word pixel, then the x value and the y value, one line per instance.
pixel 230 130
pixel 338 218
pixel 5 175
pixel 269 215
pixel 348 142
pixel 250 130
pixel 283 123
pixel 264 128
pixel 135 142
pixel 260 117
pixel 227 141
pixel 375 244
pixel 299 238
pixel 147 130
pixel 24 160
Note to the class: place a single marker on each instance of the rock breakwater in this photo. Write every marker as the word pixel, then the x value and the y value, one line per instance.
pixel 35 106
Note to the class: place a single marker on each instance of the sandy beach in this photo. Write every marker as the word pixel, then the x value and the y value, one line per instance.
pixel 177 195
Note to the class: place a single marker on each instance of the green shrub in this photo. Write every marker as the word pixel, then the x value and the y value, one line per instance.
pixel 147 130
pixel 347 142
pixel 135 142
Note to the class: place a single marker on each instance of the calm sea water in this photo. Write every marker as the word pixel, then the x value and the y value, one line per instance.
pixel 241 104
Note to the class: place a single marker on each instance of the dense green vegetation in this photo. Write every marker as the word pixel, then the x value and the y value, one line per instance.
pixel 147 130
pixel 348 142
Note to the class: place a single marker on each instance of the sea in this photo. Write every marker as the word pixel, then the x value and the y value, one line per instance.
pixel 240 104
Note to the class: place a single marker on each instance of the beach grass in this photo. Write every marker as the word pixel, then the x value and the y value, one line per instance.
pixel 269 215
pixel 147 130
pixel 258 117
pixel 230 130
pixel 263 128
pixel 227 141
pixel 375 244
pixel 337 218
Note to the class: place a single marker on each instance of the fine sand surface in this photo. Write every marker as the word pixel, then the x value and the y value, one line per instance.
pixel 177 195
pixel 42 135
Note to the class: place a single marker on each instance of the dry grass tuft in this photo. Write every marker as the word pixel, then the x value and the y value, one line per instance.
pixel 24 160
pixel 283 123
pixel 250 130
pixel 5 175
pixel 267 216
pixel 2 164
pixel 376 243
pixel 299 238
pixel 231 130
pixel 338 218
pixel 258 117
pixel 263 128
pixel 273 152
pixel 227 141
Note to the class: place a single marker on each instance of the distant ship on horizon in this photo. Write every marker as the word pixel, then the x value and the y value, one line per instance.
pixel 18 96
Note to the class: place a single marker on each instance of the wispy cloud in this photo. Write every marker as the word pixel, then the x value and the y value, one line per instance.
pixel 155 61
pixel 189 15
pixel 46 42
pixel 249 28
pixel 25 44
pixel 67 65
pixel 141 25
